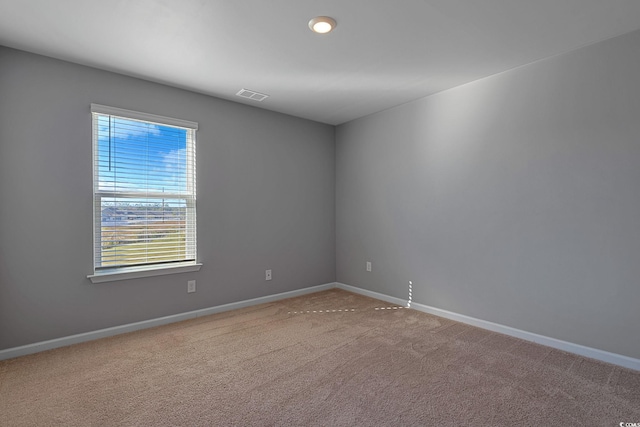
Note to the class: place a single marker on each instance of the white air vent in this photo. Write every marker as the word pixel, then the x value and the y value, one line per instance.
pixel 256 96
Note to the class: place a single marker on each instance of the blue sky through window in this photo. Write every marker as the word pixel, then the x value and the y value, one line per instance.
pixel 136 156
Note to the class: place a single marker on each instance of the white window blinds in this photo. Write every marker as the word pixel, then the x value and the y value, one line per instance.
pixel 144 188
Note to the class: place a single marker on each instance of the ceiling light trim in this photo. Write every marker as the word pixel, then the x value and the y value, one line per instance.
pixel 322 24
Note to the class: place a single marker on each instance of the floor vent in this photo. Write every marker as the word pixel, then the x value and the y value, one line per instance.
pixel 249 94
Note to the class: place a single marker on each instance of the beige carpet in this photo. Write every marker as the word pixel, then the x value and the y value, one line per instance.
pixel 332 359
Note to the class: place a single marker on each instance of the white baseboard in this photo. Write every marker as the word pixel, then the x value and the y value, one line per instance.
pixel 593 353
pixel 103 333
pixel 605 356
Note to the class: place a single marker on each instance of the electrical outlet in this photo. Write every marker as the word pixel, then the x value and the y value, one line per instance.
pixel 191 286
pixel 368 266
pixel 267 275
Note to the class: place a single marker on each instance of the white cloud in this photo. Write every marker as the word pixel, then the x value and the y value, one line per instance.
pixel 175 163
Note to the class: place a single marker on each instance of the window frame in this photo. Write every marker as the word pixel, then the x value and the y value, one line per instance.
pixel 107 274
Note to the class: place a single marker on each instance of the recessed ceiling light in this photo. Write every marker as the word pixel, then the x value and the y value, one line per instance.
pixel 322 24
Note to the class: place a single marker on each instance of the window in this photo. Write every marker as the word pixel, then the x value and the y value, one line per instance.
pixel 144 193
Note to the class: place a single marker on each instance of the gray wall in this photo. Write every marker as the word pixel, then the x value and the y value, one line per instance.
pixel 514 199
pixel 266 199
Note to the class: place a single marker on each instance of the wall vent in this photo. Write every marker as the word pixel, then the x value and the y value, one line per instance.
pixel 250 94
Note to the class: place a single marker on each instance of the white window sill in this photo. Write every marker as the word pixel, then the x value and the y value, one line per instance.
pixel 138 272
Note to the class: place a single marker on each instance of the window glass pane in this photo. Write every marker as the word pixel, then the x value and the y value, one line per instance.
pixel 143 231
pixel 144 192
pixel 139 156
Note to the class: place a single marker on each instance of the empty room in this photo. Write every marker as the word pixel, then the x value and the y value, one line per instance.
pixel 326 213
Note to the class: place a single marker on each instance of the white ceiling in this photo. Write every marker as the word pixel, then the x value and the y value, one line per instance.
pixel 382 53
